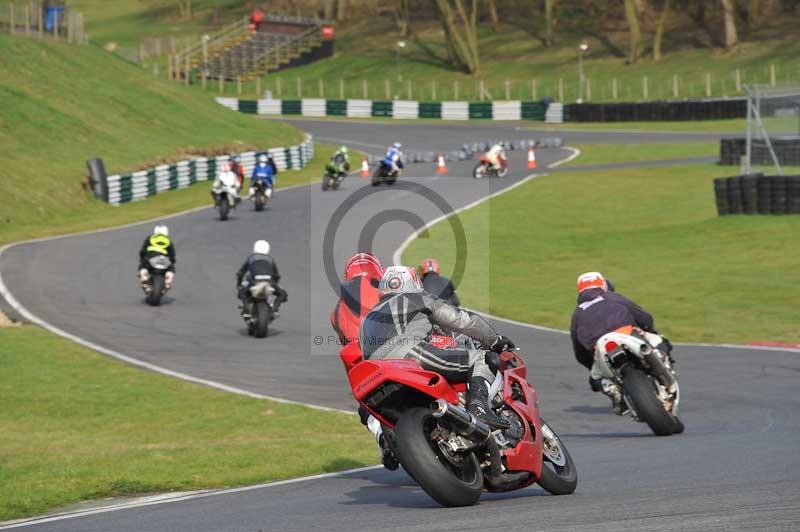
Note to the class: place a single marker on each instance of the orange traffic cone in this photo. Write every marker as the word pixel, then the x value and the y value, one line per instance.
pixel 441 167
pixel 364 167
pixel 531 159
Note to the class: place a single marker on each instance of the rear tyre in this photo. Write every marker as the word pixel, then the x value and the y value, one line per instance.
pixel 641 391
pixel 479 172
pixel 391 180
pixel 262 318
pixel 156 289
pixel 559 474
pixel 224 208
pixel 377 177
pixel 502 172
pixel 325 182
pixel 447 483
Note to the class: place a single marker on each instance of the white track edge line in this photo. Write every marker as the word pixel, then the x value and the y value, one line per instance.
pixel 178 497
pixel 397 259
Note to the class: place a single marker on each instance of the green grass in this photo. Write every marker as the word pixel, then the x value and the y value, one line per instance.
pixel 654 231
pixel 366 51
pixel 75 425
pixel 613 153
pixel 65 104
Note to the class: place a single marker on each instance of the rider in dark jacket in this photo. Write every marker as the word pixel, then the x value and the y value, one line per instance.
pixel 436 284
pixel 158 243
pixel 401 324
pixel 260 266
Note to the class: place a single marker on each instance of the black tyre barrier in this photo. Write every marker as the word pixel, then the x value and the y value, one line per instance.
pixel 656 111
pixel 97 178
pixel 787 150
pixel 757 194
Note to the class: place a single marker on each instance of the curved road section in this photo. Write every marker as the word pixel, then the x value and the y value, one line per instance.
pixel 736 467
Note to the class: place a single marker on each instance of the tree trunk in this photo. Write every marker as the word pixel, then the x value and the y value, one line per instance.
pixel 493 15
pixel 548 22
pixel 658 38
pixel 731 37
pixel 404 18
pixel 327 9
pixel 341 10
pixel 633 30
pixel 462 39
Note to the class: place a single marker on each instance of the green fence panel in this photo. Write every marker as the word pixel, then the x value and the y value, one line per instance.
pixel 480 109
pixel 382 108
pixel 288 154
pixel 151 182
pixel 533 111
pixel 430 109
pixel 125 188
pixel 173 177
pixel 248 106
pixel 336 107
pixel 291 107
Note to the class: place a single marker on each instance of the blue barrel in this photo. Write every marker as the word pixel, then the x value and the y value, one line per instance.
pixel 52 15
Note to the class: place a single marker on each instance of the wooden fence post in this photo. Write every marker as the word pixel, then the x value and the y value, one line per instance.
pixel 221 84
pixel 481 90
pixel 645 88
pixel 508 89
pixel 186 70
pixel 533 89
pixel 279 87
pixel 40 19
pixel 299 88
pixel 408 90
pixel 561 90
pixel 365 89
pixel 433 90
pixel 387 88
pixel 12 23
pixel 738 80
pixel 204 79
pixel 675 86
pixel 239 85
pixel 588 89
pixel 772 76
pixel 321 88
pixel 455 89
pixel 341 89
pixel 614 89
pixel 258 87
pixel 27 19
pixel 169 67
pixel 708 85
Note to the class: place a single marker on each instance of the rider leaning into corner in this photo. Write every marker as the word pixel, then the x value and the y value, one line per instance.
pixel 265 172
pixel 394 158
pixel 437 284
pixel 340 161
pixel 260 265
pixel 600 311
pixel 401 325
pixel 497 155
pixel 158 243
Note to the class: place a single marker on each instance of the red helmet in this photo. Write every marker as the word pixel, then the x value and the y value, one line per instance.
pixel 429 265
pixel 365 264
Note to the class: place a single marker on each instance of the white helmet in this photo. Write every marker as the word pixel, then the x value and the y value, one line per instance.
pixel 261 247
pixel 397 145
pixel 161 230
pixel 262 158
pixel 399 280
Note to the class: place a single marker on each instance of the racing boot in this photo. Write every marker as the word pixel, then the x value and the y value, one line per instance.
pixel 478 404
pixel 611 389
pixel 388 459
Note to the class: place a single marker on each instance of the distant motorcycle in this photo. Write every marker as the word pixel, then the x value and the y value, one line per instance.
pixel 157 279
pixel 258 310
pixel 486 169
pixel 225 194
pixel 333 179
pixel 649 382
pixel 384 174
pixel 260 196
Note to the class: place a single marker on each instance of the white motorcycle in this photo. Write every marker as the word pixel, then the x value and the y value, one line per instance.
pixel 225 192
pixel 645 375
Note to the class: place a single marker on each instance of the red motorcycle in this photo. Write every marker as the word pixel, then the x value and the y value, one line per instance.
pixel 452 455
pixel 485 168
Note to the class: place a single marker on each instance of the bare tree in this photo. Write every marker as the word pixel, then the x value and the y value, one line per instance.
pixel 549 21
pixel 341 10
pixel 400 13
pixel 635 34
pixel 493 14
pixel 659 36
pixel 731 36
pixel 461 34
pixel 185 8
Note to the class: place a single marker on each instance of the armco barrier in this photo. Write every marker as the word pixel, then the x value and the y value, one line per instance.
pixel 140 185
pixel 757 194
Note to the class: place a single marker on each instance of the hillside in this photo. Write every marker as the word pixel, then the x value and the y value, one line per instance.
pixel 65 104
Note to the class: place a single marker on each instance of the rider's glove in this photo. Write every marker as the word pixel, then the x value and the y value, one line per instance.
pixel 502 344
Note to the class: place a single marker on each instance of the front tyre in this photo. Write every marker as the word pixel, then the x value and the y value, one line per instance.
pixel 559 474
pixel 325 182
pixel 449 480
pixel 156 290
pixel 224 208
pixel 642 392
pixel 262 317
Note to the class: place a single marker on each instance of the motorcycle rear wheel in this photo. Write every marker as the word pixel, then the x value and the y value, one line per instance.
pixel 446 483
pixel 262 317
pixel 326 182
pixel 641 391
pixel 156 290
pixel 479 172
pixel 559 474
pixel 224 207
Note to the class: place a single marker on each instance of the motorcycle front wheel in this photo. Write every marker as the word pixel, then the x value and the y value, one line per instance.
pixel 326 182
pixel 224 208
pixel 260 201
pixel 640 389
pixel 449 480
pixel 262 317
pixel 559 475
pixel 156 290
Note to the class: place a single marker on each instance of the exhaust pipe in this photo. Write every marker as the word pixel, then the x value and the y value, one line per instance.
pixel 464 423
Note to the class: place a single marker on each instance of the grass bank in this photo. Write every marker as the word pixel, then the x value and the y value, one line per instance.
pixel 654 231
pixel 62 105
pixel 75 425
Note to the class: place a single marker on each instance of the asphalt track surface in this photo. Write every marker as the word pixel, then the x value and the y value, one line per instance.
pixel 737 467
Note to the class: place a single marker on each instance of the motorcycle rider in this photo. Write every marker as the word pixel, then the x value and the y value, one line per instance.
pixel 238 169
pixel 394 158
pixel 357 295
pixel 400 327
pixel 599 311
pixel 436 284
pixel 340 162
pixel 497 156
pixel 227 176
pixel 264 171
pixel 155 244
pixel 260 263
